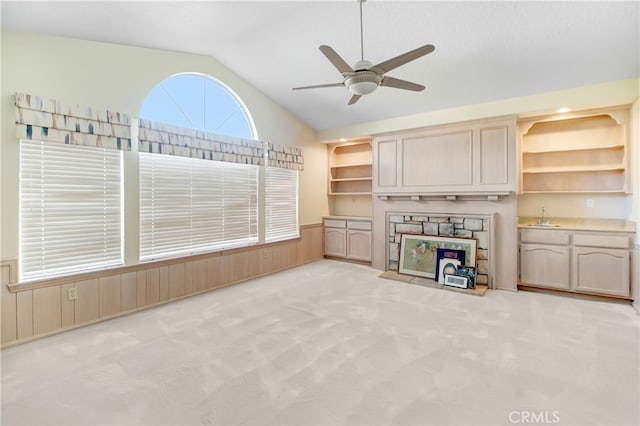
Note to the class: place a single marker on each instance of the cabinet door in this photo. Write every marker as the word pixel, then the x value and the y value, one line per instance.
pixel 605 271
pixel 496 157
pixel 544 265
pixel 472 156
pixel 335 242
pixel 359 245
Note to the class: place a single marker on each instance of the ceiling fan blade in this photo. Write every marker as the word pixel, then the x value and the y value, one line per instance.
pixel 354 99
pixel 318 86
pixel 393 63
pixel 336 60
pixel 401 84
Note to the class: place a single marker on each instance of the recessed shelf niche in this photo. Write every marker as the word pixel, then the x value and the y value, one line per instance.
pixel 350 166
pixel 581 153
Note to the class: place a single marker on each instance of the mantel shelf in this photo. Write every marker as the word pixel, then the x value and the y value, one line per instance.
pixel 459 196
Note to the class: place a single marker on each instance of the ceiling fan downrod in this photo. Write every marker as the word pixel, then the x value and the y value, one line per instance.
pixel 361 32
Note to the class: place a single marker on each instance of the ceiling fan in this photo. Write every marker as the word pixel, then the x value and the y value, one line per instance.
pixel 365 77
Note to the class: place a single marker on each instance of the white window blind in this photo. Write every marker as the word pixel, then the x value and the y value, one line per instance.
pixel 70 209
pixel 281 204
pixel 189 205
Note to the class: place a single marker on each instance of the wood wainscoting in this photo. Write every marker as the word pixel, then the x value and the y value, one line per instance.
pixel 35 310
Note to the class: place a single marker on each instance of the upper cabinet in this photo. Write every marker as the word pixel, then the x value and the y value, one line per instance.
pixel 463 158
pixel 350 168
pixel 580 152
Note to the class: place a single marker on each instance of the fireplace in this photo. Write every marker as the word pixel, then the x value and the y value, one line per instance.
pixel 475 226
pixel 493 222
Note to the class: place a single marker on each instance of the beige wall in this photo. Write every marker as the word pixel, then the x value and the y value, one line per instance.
pixel 109 76
pixel 623 92
pixel 602 95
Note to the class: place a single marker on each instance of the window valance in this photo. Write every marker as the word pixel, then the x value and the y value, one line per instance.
pixel 162 138
pixel 285 157
pixel 48 120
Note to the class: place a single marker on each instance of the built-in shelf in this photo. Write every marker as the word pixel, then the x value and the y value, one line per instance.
pixel 580 154
pixel 350 168
pixel 575 169
pixel 577 148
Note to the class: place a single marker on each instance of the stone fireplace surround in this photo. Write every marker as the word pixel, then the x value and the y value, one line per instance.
pixel 464 226
pixel 501 229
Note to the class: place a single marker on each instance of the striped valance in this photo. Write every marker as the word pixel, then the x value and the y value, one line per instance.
pixel 48 120
pixel 162 138
pixel 286 157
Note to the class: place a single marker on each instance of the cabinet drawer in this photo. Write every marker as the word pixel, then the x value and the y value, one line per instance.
pixel 333 223
pixel 602 240
pixel 544 236
pixel 363 226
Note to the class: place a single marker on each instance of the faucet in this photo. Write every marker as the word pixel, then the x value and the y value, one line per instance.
pixel 543 219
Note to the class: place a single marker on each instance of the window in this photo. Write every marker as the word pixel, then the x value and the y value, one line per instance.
pixel 189 205
pixel 281 204
pixel 198 102
pixel 70 209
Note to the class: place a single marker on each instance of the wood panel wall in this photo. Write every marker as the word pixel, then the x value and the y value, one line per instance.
pixel 31 311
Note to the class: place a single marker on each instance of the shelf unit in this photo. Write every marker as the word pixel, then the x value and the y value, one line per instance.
pixel 350 168
pixel 584 152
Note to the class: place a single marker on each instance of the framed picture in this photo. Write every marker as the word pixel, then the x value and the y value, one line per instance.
pixel 456 281
pixel 443 253
pixel 447 267
pixel 418 253
pixel 468 272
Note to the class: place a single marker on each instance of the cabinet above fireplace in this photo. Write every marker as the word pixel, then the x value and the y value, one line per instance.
pixel 471 158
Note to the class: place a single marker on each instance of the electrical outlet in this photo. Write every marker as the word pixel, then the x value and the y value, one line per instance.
pixel 590 203
pixel 72 293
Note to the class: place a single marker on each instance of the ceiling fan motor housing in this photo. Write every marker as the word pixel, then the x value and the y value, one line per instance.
pixel 362 82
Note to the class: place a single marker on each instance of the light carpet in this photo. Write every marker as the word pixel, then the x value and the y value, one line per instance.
pixel 332 343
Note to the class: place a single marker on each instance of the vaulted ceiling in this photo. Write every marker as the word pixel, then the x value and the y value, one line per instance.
pixel 484 50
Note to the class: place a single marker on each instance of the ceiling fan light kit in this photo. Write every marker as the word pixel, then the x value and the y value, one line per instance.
pixel 365 77
pixel 363 83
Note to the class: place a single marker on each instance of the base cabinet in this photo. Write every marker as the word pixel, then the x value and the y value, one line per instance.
pixel 545 265
pixel 597 270
pixel 335 242
pixel 348 238
pixel 577 261
pixel 359 245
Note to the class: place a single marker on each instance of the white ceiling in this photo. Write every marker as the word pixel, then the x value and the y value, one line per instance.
pixel 484 50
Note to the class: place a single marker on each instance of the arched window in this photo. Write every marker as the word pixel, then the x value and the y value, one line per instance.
pixel 198 102
pixel 194 200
